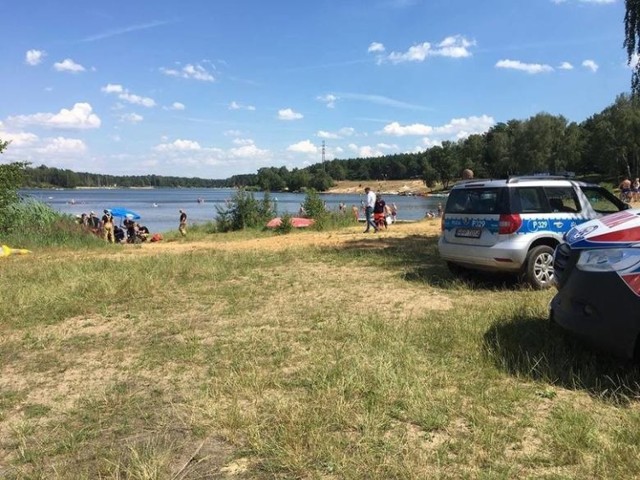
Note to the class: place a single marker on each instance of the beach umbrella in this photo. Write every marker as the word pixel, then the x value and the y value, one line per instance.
pixel 124 213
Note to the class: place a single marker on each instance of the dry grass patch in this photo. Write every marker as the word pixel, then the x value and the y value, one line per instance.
pixel 314 355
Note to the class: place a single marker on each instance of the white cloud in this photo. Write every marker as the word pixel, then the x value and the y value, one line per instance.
pixel 288 114
pixel 243 141
pixel 591 65
pixel 177 106
pixel 455 46
pixel 323 134
pixel 634 61
pixel 304 146
pixel 190 72
pixel 18 139
pixel 131 118
pixel 236 106
pixel 249 152
pixel 376 47
pixel 63 146
pixel 178 146
pixel 137 100
pixel 380 100
pixel 124 94
pixel 112 88
pixel 34 57
pixel 365 151
pixel 398 130
pixel 531 68
pixel 463 127
pixel 343 132
pixel 232 133
pixel 81 116
pixel 386 146
pixel 565 66
pixel 429 142
pixel 329 100
pixel 68 65
pixel 191 153
pixel 457 128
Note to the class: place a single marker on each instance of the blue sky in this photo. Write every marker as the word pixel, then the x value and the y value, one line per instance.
pixel 214 88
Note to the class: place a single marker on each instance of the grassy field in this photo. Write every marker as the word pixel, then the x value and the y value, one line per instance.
pixel 312 355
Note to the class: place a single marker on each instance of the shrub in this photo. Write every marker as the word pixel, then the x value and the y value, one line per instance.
pixel 29 224
pixel 285 225
pixel 244 211
pixel 314 205
pixel 10 179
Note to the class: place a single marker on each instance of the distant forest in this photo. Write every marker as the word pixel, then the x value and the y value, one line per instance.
pixel 606 144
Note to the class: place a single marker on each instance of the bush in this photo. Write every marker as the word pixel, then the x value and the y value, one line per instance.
pixel 244 211
pixel 10 179
pixel 332 220
pixel 285 225
pixel 29 224
pixel 314 205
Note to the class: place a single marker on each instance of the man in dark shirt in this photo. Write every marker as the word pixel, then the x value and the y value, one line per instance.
pixel 183 223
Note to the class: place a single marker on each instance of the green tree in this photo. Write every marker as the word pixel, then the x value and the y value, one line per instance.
pixel 270 180
pixel 538 144
pixel 298 180
pixel 244 211
pixel 314 205
pixel 632 40
pixel 11 176
pixel 444 160
pixel 321 181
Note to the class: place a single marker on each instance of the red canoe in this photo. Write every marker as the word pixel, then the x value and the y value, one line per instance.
pixel 297 222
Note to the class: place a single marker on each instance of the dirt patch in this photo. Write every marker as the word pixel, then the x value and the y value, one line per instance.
pixel 336 238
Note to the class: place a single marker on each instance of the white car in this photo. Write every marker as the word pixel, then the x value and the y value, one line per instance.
pixel 514 225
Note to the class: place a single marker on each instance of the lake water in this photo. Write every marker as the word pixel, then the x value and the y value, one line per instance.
pixel 159 207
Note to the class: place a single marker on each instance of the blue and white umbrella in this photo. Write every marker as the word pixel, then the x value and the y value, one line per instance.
pixel 124 213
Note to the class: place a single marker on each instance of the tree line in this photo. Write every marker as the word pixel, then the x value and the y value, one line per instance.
pixel 606 144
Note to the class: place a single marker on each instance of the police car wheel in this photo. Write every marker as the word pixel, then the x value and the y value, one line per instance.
pixel 539 270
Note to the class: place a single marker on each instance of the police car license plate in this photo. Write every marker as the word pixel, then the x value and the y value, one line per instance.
pixel 469 232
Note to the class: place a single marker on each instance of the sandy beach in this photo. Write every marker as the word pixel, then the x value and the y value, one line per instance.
pixel 386 187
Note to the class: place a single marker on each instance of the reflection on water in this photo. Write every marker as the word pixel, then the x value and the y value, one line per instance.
pixel 159 207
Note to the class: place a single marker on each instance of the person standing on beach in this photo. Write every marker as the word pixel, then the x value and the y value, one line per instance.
pixel 354 212
pixel 107 227
pixel 182 228
pixel 368 210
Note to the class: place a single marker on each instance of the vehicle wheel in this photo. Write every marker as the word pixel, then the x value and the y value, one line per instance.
pixel 539 270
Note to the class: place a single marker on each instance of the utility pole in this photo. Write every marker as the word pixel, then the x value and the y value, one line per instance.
pixel 323 153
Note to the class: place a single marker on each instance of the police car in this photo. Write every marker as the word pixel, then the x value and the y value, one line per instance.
pixel 598 280
pixel 514 225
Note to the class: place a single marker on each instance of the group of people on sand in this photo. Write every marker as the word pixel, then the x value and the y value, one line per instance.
pixel 105 226
pixel 377 213
pixel 630 191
